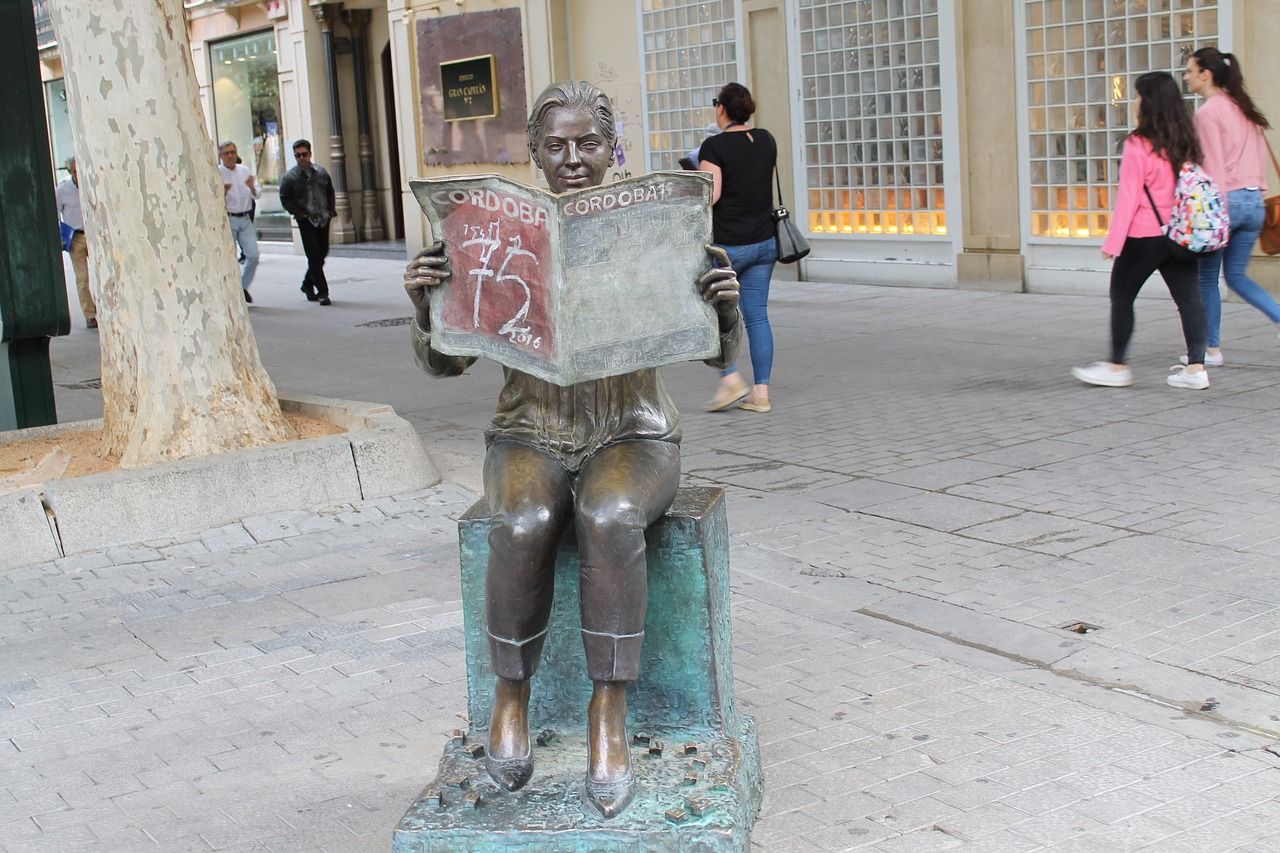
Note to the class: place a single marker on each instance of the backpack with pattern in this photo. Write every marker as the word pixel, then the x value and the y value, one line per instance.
pixel 1199 221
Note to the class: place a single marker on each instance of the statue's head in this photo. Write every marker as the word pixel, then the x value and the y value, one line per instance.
pixel 572 135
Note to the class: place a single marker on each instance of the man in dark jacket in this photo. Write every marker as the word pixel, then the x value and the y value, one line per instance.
pixel 307 193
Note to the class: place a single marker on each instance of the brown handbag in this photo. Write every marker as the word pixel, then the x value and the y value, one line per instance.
pixel 1269 239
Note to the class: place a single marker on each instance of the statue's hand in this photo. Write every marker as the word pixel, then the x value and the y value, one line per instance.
pixel 429 268
pixel 719 286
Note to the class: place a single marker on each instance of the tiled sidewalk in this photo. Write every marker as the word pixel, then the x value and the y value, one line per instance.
pixel 931 503
pixel 293 693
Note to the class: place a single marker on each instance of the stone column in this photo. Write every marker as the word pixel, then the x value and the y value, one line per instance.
pixel 370 213
pixel 342 230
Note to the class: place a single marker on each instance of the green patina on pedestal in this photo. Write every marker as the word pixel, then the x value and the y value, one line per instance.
pixel 700 793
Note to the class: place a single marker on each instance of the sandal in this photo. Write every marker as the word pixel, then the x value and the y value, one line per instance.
pixel 726 398
pixel 751 404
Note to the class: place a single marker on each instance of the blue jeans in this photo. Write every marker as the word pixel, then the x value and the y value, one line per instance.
pixel 246 236
pixel 1246 210
pixel 754 265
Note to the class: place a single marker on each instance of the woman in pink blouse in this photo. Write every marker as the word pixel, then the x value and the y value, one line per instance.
pixel 1153 154
pixel 1235 156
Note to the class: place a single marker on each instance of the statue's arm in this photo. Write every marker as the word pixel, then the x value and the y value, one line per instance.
pixel 719 286
pixel 730 340
pixel 433 362
pixel 430 268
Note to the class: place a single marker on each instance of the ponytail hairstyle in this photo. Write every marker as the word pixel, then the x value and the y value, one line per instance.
pixel 1225 69
pixel 1164 120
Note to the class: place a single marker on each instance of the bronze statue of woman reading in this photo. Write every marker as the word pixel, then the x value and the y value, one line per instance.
pixel 601 455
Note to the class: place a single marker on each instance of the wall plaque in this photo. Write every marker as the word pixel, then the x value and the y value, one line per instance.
pixel 495 136
pixel 470 88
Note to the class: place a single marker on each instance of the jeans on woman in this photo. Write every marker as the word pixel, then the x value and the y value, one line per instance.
pixel 754 265
pixel 1140 257
pixel 1247 210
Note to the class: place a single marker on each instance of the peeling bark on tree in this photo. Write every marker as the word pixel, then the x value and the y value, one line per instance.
pixel 181 375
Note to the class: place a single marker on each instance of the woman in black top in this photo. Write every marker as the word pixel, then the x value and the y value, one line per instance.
pixel 741 161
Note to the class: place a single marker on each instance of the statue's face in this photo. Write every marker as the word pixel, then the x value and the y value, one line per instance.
pixel 573 153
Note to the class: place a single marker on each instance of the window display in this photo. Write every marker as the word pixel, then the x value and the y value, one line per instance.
pixel 872 92
pixel 690 52
pixel 246 108
pixel 1081 59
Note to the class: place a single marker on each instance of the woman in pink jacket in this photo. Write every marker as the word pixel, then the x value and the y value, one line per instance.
pixel 1153 154
pixel 1235 156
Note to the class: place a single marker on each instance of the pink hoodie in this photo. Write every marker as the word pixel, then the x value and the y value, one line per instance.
pixel 1235 153
pixel 1132 215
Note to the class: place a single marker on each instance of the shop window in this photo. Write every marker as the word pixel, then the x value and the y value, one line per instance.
pixel 872 117
pixel 690 52
pixel 246 102
pixel 55 92
pixel 1081 58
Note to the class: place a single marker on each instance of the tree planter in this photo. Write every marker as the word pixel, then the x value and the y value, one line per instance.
pixel 379 455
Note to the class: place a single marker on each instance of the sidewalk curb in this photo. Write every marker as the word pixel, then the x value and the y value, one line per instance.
pixel 380 455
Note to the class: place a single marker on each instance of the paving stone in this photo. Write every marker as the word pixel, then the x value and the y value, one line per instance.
pixel 904 551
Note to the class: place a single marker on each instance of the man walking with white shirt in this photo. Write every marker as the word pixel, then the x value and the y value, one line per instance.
pixel 68 196
pixel 241 189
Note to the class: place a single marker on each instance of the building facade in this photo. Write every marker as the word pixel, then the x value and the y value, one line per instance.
pixel 942 143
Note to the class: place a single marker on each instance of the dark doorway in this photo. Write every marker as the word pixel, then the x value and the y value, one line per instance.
pixel 393 146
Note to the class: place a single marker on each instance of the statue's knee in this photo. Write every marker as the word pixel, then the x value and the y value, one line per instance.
pixel 526 528
pixel 613 516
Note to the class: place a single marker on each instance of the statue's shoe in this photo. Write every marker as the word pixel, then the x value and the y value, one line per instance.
pixel 511 774
pixel 610 798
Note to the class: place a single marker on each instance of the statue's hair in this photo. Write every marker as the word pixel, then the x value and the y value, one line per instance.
pixel 573 95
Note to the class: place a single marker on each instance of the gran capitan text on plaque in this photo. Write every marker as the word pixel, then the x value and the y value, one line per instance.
pixel 469 88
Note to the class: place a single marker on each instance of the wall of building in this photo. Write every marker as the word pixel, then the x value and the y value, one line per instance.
pixel 992 256
pixel 1256 32
pixel 537 36
pixel 603 44
pixel 379 37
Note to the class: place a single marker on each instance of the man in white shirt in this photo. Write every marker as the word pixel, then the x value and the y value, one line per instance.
pixel 68 196
pixel 241 189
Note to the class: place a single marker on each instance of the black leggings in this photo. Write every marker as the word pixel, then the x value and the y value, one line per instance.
pixel 1140 257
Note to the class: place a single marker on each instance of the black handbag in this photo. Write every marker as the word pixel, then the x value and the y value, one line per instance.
pixel 792 246
pixel 791 243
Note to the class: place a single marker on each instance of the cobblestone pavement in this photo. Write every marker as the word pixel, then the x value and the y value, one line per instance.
pixel 931 506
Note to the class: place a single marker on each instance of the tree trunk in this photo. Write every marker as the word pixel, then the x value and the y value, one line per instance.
pixel 181 375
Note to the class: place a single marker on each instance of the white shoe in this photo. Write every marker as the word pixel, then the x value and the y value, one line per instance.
pixel 1210 360
pixel 1180 378
pixel 1100 373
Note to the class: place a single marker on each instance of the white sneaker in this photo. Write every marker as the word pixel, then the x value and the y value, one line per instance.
pixel 1179 378
pixel 1210 360
pixel 1100 373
